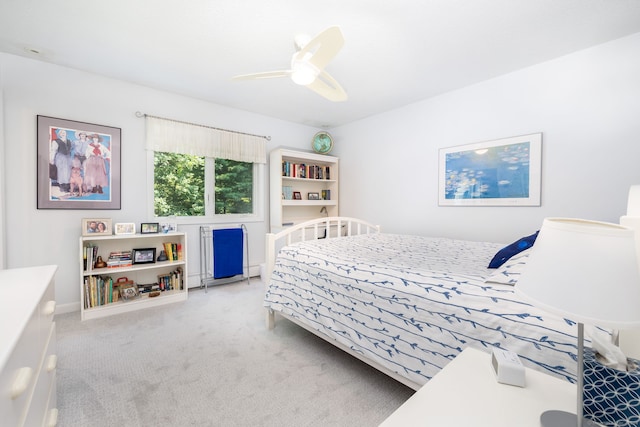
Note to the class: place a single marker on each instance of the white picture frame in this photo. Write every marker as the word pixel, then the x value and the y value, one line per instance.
pixel 502 172
pixel 124 228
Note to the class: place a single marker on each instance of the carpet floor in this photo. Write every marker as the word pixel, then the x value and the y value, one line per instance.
pixel 210 361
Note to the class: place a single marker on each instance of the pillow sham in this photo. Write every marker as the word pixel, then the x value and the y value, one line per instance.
pixel 509 272
pixel 513 249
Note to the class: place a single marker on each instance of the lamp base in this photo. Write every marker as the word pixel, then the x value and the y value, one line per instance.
pixel 563 419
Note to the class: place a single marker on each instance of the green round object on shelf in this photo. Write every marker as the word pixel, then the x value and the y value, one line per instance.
pixel 322 142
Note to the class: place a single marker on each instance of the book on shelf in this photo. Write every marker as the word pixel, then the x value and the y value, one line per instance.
pixel 89 256
pixel 98 291
pixel 302 170
pixel 171 281
pixel 173 251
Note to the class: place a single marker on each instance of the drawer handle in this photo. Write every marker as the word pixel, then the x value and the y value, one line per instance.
pixel 53 418
pixel 21 382
pixel 49 308
pixel 52 362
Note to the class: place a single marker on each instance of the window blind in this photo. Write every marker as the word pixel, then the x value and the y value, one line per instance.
pixel 174 136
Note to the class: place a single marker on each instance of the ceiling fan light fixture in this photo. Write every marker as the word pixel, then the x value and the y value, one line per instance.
pixel 303 72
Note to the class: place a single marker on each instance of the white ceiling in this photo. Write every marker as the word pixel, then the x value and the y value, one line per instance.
pixel 396 52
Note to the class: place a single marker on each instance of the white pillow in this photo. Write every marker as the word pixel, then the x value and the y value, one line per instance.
pixel 509 272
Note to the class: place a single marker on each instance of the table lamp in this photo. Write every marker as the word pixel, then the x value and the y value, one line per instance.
pixel 587 272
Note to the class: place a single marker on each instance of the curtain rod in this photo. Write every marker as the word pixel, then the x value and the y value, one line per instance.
pixel 140 115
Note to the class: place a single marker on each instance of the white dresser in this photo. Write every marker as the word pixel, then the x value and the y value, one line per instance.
pixel 28 347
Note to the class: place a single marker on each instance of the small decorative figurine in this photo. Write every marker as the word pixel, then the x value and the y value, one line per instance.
pixel 162 256
pixel 100 263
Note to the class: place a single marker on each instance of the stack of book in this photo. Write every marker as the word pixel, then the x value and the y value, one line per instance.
pixel 119 259
pixel 149 287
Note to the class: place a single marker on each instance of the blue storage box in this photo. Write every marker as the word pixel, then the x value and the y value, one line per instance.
pixel 611 397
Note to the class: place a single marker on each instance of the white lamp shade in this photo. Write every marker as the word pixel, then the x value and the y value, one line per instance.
pixel 585 271
pixel 633 202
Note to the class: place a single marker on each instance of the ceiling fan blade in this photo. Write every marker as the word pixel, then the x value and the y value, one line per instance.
pixel 326 86
pixel 265 75
pixel 322 48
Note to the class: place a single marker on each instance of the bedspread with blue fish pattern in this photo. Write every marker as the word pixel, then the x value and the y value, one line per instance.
pixel 412 303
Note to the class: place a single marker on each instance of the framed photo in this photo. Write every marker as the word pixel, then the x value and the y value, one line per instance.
pixel 124 228
pixel 297 195
pixel 313 196
pixel 128 292
pixel 96 226
pixel 144 256
pixel 78 165
pixel 168 227
pixel 503 172
pixel 149 227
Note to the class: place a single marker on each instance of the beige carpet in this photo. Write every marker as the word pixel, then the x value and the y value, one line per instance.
pixel 210 361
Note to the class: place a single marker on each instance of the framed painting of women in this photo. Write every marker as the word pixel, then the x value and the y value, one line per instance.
pixel 78 165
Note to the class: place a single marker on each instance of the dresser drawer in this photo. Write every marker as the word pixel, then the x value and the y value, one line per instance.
pixel 27 344
pixel 19 375
pixel 46 310
pixel 51 419
pixel 38 406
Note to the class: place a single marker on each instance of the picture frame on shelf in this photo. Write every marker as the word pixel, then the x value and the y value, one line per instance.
pixel 78 165
pixel 144 256
pixel 313 196
pixel 297 195
pixel 96 227
pixel 124 228
pixel 502 172
pixel 168 227
pixel 128 292
pixel 149 227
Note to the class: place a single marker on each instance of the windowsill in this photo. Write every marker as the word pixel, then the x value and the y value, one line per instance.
pixel 221 219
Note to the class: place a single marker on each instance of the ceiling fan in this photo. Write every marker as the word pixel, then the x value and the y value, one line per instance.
pixel 308 63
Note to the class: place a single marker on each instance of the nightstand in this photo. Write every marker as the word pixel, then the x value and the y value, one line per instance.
pixel 465 393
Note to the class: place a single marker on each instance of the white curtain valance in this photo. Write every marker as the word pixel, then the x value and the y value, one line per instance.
pixel 179 137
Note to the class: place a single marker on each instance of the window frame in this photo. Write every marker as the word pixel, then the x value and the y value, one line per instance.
pixel 259 182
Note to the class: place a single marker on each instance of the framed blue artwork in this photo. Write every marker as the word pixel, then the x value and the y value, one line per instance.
pixel 503 172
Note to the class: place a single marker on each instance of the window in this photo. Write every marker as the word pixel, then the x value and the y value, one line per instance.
pixel 182 186
pixel 200 171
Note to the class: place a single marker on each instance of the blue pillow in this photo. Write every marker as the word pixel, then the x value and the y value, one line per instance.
pixel 513 249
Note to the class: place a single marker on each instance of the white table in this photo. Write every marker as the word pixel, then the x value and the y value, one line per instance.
pixel 466 393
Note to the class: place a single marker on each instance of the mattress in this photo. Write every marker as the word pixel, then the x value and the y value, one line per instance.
pixel 412 303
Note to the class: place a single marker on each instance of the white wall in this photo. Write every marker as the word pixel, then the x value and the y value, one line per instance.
pixel 587 106
pixel 31 88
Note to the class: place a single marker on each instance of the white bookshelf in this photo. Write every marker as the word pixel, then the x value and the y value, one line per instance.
pixel 286 212
pixel 139 273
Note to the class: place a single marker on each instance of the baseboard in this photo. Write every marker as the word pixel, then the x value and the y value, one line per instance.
pixel 68 308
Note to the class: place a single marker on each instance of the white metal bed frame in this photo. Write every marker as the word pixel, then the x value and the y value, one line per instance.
pixel 330 228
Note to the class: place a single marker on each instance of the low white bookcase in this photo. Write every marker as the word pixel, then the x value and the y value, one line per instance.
pixel 139 273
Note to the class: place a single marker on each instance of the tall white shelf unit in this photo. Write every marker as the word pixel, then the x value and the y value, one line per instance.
pixel 287 212
pixel 139 273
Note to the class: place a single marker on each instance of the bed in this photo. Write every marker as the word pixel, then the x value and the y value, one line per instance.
pixel 407 305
